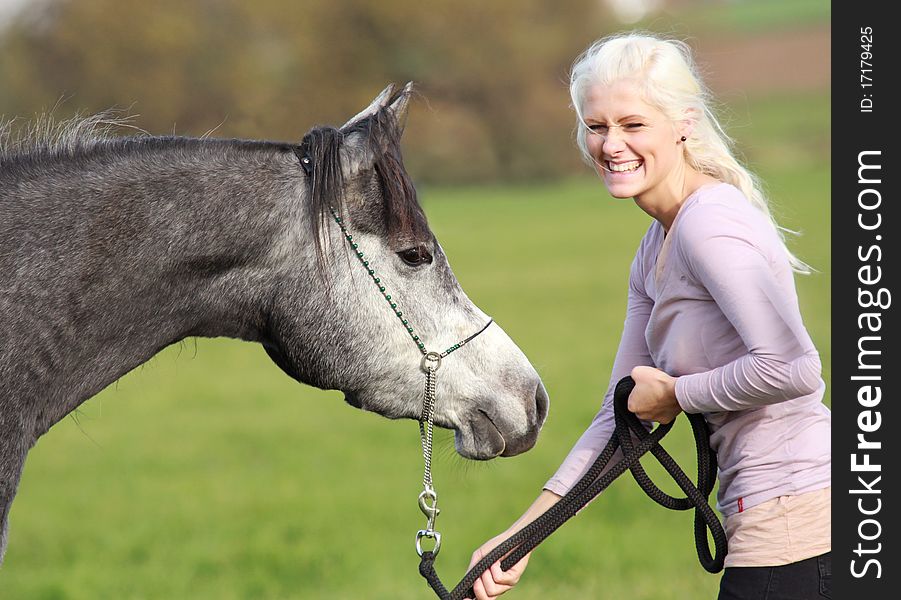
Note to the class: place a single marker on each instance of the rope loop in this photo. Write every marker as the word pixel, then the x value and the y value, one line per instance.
pixel 514 548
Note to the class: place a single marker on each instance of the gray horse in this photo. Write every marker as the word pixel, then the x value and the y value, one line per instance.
pixel 113 248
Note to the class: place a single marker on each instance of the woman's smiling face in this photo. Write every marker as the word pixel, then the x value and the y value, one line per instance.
pixel 635 147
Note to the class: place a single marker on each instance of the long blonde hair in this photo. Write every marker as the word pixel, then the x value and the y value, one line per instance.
pixel 670 81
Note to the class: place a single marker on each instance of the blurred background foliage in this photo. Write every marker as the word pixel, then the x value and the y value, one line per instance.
pixel 492 75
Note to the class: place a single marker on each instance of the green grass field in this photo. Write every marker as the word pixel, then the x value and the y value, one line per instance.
pixel 750 17
pixel 207 473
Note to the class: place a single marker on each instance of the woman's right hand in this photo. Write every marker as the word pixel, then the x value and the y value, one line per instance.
pixel 495 581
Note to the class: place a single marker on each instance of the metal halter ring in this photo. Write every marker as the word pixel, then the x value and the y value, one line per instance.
pixel 431 362
pixel 429 533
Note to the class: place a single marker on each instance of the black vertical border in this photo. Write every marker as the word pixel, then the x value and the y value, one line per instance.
pixel 853 132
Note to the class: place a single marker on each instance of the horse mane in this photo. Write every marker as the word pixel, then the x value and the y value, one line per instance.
pixel 46 136
pixel 46 140
pixel 403 216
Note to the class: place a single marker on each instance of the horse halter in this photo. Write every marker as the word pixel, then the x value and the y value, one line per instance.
pixel 431 362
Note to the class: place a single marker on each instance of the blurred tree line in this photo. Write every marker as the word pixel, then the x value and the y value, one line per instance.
pixel 492 75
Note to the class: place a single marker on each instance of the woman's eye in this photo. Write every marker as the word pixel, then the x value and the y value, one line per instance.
pixel 634 126
pixel 598 128
pixel 418 255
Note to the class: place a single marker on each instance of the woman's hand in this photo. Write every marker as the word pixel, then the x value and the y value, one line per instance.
pixel 654 396
pixel 495 581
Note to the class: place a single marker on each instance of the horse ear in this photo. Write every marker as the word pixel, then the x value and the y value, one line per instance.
pixel 376 105
pixel 399 105
pixel 377 128
pixel 397 100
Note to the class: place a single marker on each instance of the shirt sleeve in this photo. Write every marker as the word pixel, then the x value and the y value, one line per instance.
pixel 632 352
pixel 727 253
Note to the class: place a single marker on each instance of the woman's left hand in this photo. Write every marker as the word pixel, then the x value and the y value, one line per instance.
pixel 654 396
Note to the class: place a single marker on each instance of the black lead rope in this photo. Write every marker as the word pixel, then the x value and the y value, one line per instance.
pixel 593 483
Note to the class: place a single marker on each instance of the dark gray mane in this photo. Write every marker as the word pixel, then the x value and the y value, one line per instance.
pixel 45 142
pixel 47 145
pixel 49 157
pixel 45 133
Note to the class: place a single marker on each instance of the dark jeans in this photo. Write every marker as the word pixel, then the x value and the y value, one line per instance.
pixel 809 579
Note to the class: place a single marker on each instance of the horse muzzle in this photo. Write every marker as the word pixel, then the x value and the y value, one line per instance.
pixel 485 435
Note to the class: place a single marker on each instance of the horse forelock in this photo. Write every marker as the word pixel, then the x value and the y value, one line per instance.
pixel 403 217
pixel 322 146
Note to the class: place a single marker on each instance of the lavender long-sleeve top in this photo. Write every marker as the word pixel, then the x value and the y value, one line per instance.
pixel 714 303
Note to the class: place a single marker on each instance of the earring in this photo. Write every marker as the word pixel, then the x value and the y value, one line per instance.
pixel 684 138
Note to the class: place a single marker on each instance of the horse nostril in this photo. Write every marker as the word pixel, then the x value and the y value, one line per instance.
pixel 541 404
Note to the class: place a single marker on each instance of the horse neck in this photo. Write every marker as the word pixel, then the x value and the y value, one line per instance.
pixel 116 259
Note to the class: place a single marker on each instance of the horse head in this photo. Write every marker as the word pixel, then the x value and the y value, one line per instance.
pixel 382 293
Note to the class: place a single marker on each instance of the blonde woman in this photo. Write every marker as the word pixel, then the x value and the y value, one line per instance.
pixel 712 324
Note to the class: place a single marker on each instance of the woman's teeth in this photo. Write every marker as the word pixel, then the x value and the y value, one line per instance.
pixel 624 167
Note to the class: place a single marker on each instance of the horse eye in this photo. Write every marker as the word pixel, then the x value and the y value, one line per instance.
pixel 416 256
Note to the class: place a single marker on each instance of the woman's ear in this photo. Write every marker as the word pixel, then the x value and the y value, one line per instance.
pixel 686 125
